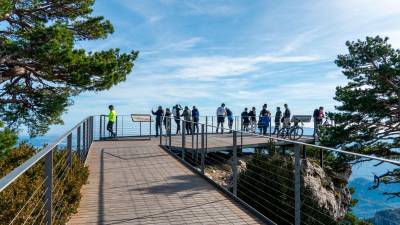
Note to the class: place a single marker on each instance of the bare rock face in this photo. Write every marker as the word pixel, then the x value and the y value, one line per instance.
pixel 328 188
pixel 329 191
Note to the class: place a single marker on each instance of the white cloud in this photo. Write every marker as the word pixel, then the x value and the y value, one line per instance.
pixel 210 9
pixel 182 45
pixel 212 67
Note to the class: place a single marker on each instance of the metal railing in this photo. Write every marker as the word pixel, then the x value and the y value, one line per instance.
pixel 278 189
pixel 76 143
pixel 225 160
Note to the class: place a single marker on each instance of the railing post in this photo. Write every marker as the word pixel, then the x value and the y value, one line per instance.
pixel 84 136
pixel 48 199
pixel 192 126
pixel 234 164
pixel 203 150
pixel 183 139
pixel 170 132
pixel 206 132
pixel 212 124
pixel 161 131
pixel 69 149
pixel 91 129
pixel 297 188
pixel 101 127
pixel 116 126
pixel 78 141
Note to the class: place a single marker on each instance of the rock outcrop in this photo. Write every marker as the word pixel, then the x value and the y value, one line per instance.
pixel 329 190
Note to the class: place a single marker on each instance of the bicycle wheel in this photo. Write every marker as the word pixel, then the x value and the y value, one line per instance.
pixel 296 133
pixel 282 133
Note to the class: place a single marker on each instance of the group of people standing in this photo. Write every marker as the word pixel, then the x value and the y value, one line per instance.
pixel 249 121
pixel 189 116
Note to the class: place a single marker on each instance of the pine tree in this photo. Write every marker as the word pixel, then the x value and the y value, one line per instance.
pixel 368 117
pixel 40 66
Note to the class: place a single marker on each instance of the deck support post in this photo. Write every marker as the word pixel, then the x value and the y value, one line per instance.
pixel 234 163
pixel 297 188
pixel 203 150
pixel 183 139
pixel 321 158
pixel 48 202
pixel 69 149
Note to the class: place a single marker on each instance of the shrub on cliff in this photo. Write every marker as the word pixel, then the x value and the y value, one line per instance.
pixel 28 188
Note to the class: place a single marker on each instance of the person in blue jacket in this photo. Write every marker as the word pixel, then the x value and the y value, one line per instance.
pixel 196 118
pixel 229 114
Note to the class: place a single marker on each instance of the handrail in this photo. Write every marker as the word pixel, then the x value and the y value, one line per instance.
pixel 17 172
pixel 395 162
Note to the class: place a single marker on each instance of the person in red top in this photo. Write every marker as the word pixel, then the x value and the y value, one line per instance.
pixel 321 115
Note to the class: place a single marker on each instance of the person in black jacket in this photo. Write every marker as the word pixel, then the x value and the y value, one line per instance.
pixel 278 116
pixel 159 116
pixel 167 119
pixel 245 120
pixel 176 111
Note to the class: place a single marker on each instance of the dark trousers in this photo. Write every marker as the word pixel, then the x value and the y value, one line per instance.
pixel 220 121
pixel 178 126
pixel 158 127
pixel 277 126
pixel 188 127
pixel 263 129
pixel 230 124
pixel 196 125
pixel 110 126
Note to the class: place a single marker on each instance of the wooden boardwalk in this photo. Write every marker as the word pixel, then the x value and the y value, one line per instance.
pixel 137 182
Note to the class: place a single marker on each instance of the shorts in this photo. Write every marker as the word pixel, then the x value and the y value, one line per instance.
pixel 220 119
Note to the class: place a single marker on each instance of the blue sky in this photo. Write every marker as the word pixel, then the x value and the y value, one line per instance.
pixel 243 53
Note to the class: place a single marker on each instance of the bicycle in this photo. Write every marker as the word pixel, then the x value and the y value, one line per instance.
pixel 294 132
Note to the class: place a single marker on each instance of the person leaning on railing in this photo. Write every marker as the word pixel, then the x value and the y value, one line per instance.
pixel 221 113
pixel 229 114
pixel 112 117
pixel 176 111
pixel 196 117
pixel 167 120
pixel 187 117
pixel 278 116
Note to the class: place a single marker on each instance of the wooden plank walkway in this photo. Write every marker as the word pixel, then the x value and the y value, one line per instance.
pixel 137 182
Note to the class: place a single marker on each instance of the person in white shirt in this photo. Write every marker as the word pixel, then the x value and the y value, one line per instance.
pixel 221 113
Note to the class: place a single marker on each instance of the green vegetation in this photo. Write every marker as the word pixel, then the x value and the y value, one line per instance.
pixel 40 65
pixel 66 184
pixel 8 139
pixel 368 119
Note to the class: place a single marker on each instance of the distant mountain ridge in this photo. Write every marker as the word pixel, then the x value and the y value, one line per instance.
pixel 372 202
